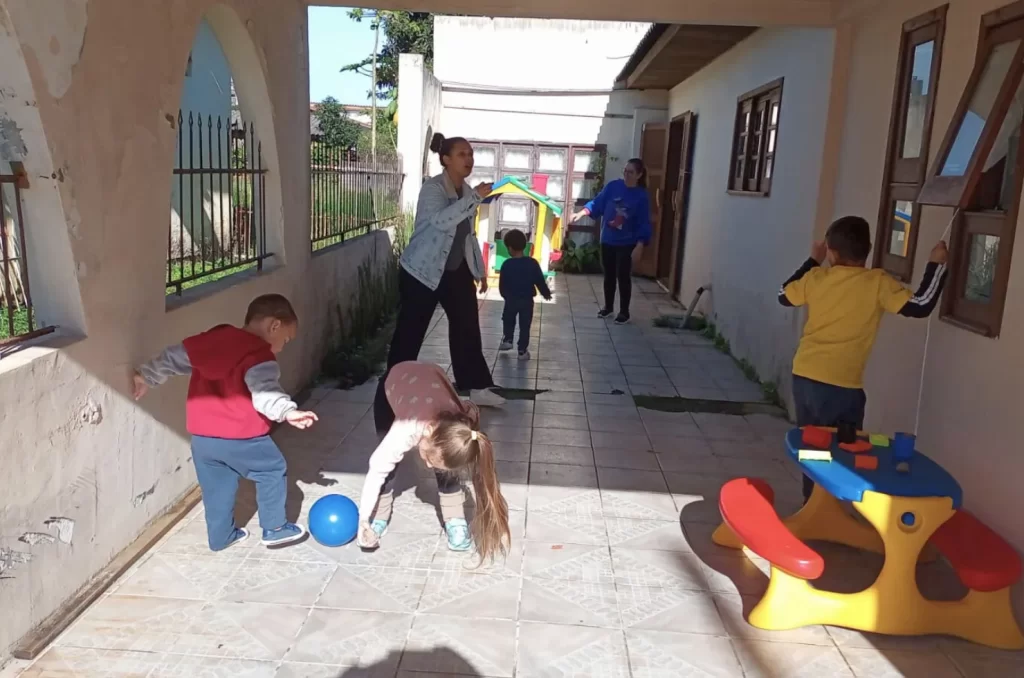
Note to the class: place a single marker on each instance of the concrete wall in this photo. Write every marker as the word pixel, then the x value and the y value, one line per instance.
pixel 744 247
pixel 536 80
pixel 970 407
pixel 419 115
pixel 89 93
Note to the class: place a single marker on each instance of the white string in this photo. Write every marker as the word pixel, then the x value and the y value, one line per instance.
pixel 927 337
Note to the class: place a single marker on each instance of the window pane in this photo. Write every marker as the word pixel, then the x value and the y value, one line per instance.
pixel 485 156
pixel 552 159
pixel 899 238
pixel 979 109
pixel 771 140
pixel 585 161
pixel 584 188
pixel 556 186
pixel 478 177
pixel 518 158
pixel 775 114
pixel 917 98
pixel 981 268
pixel 995 188
pixel 515 211
pixel 768 167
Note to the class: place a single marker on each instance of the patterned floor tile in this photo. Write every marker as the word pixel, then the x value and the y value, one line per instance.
pixel 568 562
pixel 655 654
pixel 270 581
pixel 138 623
pixel 181 666
pixel 454 645
pixel 352 638
pixel 363 587
pixel 240 631
pixel 566 528
pixel 398 549
pixel 668 609
pixel 552 651
pixel 871 663
pixel 73 662
pixel 761 659
pixel 577 603
pixel 183 576
pixel 471 594
pixel 666 569
pixel 654 535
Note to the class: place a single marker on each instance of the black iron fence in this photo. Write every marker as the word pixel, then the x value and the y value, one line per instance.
pixel 218 204
pixel 17 319
pixel 351 193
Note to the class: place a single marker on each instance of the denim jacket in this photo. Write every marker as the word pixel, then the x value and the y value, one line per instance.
pixel 439 211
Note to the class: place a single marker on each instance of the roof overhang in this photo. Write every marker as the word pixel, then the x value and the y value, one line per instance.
pixel 670 53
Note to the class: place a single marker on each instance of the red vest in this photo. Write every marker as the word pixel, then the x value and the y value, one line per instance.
pixel 219 403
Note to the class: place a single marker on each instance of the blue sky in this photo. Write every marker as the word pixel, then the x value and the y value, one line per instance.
pixel 334 41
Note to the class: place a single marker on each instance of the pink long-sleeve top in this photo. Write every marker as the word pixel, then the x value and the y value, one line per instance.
pixel 418 392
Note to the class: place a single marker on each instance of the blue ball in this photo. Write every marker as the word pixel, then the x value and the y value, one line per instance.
pixel 334 520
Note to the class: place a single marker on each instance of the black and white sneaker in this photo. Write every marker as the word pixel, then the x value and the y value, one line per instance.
pixel 622 319
pixel 604 313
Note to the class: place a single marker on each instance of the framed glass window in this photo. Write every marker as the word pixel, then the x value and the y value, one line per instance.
pixel 517 158
pixel 552 159
pixel 910 124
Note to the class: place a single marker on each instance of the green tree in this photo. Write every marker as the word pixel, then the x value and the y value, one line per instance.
pixel 336 128
pixel 404 33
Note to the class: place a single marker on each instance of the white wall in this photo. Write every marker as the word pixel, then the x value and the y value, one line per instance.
pixel 206 94
pixel 419 114
pixel 538 71
pixel 745 247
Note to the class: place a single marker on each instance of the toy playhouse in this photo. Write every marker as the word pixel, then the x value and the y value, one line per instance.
pixel 545 241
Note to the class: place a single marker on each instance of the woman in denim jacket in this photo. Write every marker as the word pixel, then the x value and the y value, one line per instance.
pixel 442 264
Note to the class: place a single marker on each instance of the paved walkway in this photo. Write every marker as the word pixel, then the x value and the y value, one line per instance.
pixel 611 573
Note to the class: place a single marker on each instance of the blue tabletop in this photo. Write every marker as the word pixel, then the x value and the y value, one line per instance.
pixel 843 481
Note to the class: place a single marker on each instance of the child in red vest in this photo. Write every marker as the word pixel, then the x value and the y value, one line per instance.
pixel 233 397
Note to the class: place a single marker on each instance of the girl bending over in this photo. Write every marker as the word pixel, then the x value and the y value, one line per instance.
pixel 430 417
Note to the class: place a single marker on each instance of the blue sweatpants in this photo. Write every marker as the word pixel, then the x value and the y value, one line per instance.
pixel 521 310
pixel 220 463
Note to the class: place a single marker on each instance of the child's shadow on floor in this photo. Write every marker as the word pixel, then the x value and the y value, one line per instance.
pixel 441 661
pixel 305 471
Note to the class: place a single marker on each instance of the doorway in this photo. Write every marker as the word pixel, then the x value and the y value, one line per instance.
pixel 683 135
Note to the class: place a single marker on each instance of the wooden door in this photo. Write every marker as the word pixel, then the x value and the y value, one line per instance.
pixel 681 199
pixel 654 153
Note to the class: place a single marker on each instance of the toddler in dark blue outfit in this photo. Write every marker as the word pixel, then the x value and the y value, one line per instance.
pixel 518 283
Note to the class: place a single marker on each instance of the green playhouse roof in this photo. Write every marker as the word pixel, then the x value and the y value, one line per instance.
pixel 523 188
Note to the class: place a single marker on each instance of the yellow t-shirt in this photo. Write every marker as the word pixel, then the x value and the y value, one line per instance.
pixel 845 306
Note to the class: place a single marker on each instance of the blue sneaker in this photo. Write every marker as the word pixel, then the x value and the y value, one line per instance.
pixel 286 534
pixel 379 527
pixel 239 535
pixel 459 538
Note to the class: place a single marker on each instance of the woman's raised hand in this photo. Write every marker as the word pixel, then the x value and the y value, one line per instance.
pixel 483 190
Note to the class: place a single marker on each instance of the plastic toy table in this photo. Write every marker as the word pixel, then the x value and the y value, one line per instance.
pixel 902 512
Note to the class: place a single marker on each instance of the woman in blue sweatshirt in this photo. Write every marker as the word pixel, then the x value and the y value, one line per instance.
pixel 625 214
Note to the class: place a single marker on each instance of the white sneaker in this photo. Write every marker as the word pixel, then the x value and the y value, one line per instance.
pixel 506 345
pixel 485 397
pixel 524 355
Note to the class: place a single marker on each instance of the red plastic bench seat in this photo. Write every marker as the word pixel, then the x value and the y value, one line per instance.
pixel 746 506
pixel 982 559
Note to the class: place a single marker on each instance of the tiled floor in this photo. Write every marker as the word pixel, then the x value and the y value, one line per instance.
pixel 611 571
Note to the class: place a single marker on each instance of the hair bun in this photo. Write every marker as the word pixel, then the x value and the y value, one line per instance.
pixel 436 142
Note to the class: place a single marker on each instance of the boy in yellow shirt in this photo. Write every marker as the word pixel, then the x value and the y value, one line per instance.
pixel 845 304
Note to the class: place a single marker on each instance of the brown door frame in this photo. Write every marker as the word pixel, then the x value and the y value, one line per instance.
pixel 687 125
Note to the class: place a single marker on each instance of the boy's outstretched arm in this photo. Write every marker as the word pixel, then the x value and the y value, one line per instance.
pixel 929 291
pixel 792 291
pixel 271 400
pixel 172 362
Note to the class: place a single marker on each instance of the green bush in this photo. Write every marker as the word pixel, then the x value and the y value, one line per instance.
pixel 581 258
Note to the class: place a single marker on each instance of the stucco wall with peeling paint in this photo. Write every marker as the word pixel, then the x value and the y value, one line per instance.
pixel 86 94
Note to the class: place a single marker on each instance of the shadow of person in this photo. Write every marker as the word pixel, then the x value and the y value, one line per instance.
pixel 440 661
pixel 301 469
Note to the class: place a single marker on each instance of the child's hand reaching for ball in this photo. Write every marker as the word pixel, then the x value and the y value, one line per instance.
pixel 139 386
pixel 367 538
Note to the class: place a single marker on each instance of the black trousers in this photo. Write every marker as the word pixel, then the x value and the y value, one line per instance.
pixel 828 405
pixel 457 295
pixel 617 261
